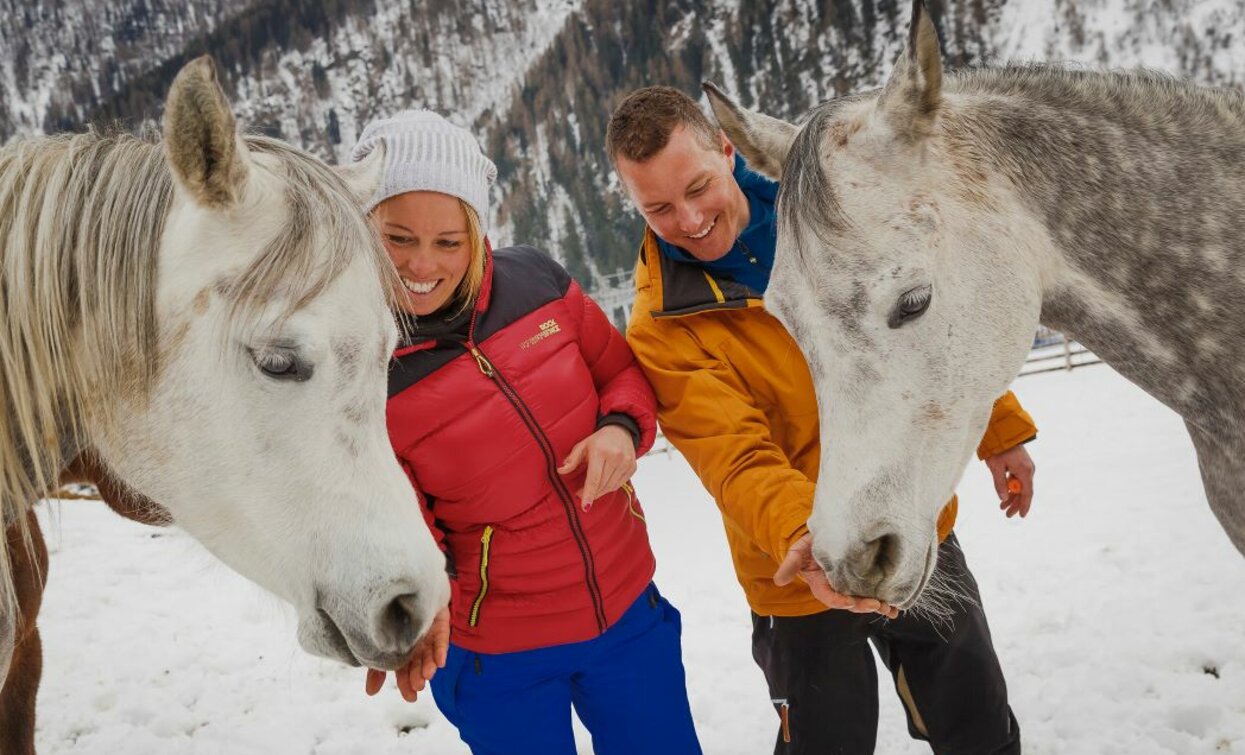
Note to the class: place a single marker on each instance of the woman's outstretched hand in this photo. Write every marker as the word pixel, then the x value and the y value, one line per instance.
pixel 428 656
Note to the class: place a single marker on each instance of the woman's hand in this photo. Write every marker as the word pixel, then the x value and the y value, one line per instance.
pixel 610 456
pixel 426 658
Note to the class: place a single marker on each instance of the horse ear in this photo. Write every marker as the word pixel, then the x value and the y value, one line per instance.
pixel 364 175
pixel 913 92
pixel 764 141
pixel 201 140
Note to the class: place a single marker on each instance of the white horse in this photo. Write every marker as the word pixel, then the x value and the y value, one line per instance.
pixel 210 321
pixel 926 228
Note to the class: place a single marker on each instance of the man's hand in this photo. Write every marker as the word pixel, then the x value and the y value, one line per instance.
pixel 800 563
pixel 426 658
pixel 610 455
pixel 1013 480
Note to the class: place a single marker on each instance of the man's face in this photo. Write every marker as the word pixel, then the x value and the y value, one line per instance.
pixel 688 195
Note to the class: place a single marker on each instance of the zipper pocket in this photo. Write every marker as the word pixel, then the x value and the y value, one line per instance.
pixel 486 540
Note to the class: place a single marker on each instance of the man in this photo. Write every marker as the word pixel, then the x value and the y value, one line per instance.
pixel 735 397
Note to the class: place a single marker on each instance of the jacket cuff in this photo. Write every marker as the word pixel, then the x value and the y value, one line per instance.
pixel 790 530
pixel 625 422
pixel 1010 425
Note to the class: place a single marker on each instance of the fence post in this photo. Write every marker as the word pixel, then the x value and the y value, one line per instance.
pixel 1067 353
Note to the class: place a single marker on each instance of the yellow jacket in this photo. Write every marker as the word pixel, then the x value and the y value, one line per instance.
pixel 735 397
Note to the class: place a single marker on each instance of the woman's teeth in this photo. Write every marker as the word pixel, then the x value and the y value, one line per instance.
pixel 420 288
pixel 705 232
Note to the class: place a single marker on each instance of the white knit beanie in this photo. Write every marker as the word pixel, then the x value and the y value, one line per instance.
pixel 425 152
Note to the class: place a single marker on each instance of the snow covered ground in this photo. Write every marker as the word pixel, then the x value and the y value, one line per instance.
pixel 1118 609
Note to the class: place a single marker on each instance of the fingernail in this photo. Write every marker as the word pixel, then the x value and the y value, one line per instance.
pixel 586 505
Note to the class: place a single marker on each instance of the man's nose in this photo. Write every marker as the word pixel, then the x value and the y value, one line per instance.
pixel 690 218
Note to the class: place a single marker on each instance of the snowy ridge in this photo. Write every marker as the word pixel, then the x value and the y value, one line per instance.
pixel 535 79
pixel 66 53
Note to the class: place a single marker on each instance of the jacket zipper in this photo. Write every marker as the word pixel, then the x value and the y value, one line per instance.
pixel 551 468
pixel 486 540
pixel 748 253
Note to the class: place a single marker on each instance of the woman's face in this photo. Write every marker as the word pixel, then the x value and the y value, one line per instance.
pixel 425 233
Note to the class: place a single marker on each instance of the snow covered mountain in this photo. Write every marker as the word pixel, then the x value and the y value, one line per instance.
pixel 537 79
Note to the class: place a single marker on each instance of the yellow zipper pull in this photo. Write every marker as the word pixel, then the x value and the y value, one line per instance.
pixel 485 368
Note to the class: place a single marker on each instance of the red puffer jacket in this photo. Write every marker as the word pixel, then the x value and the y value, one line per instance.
pixel 482 410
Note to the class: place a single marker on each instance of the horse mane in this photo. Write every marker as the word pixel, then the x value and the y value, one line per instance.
pixel 1069 86
pixel 808 203
pixel 81 222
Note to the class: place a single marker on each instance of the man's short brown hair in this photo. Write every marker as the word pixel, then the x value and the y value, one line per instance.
pixel 642 123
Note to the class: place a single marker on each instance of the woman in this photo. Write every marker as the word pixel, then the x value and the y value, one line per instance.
pixel 518 412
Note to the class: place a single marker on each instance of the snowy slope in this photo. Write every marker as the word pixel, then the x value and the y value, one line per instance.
pixel 1109 605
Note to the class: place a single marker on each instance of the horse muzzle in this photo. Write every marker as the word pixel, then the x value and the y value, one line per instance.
pixel 379 634
pixel 886 567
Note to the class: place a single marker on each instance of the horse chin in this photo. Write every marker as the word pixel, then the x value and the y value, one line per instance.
pixel 927 573
pixel 320 634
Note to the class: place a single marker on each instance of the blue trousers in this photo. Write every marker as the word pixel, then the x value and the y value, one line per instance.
pixel 627 686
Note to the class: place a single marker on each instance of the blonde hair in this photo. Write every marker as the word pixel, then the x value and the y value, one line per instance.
pixel 473 280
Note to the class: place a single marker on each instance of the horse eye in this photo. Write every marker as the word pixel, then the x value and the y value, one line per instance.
pixel 281 364
pixel 911 305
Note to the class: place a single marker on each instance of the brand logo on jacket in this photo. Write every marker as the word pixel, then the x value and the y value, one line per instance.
pixel 547 328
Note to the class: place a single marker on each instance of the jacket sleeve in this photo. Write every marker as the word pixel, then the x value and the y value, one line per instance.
pixel 620 383
pixel 437 533
pixel 1010 425
pixel 708 414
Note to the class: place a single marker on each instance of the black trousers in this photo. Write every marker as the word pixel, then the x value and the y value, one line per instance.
pixel 824 683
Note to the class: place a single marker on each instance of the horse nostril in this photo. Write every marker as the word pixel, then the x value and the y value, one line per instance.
pixel 887 548
pixel 876 559
pixel 401 620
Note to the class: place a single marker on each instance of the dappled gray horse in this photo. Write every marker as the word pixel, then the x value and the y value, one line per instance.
pixel 925 230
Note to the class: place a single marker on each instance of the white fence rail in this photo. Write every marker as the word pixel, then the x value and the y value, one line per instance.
pixel 1051 352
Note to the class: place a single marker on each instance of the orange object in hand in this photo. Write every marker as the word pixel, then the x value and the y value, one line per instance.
pixel 1014 486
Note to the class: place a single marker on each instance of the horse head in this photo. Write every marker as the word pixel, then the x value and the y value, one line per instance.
pixel 261 424
pixel 883 271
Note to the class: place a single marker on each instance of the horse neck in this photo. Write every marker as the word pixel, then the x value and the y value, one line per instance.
pixel 1139 184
